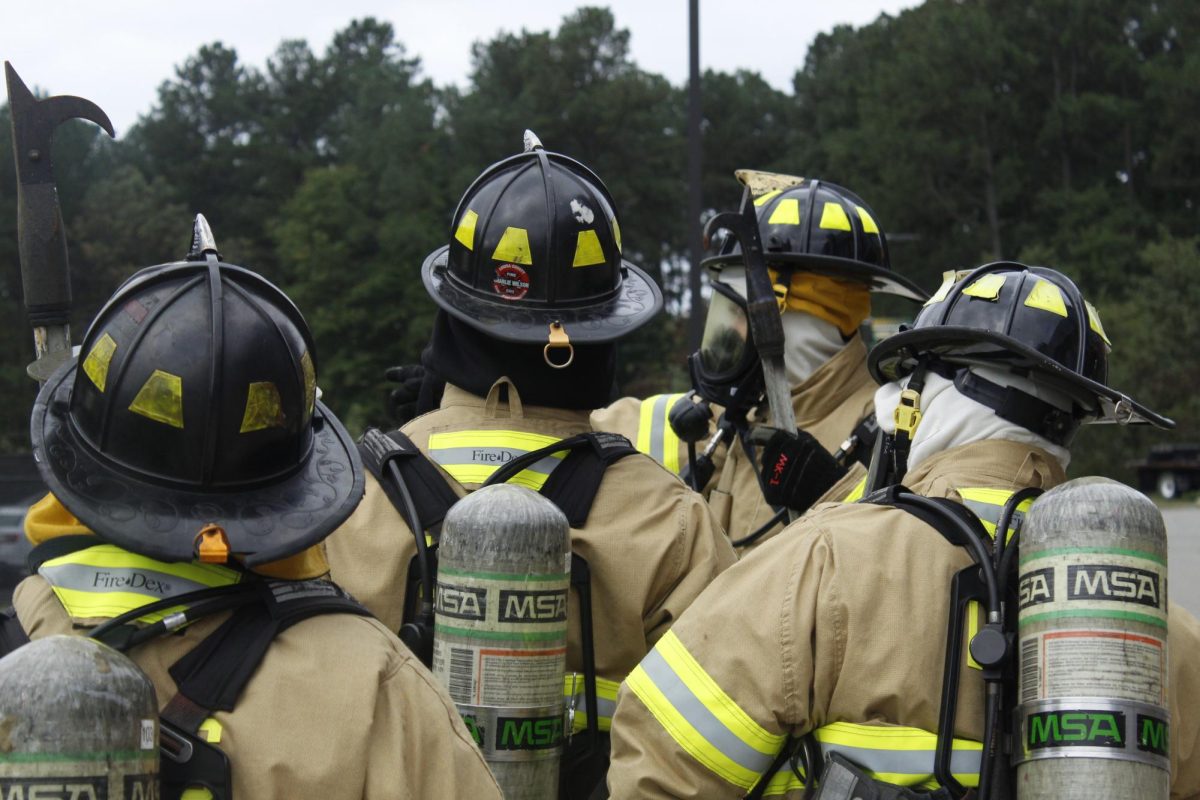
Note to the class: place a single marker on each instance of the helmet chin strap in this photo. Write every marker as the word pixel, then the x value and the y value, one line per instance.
pixel 907 417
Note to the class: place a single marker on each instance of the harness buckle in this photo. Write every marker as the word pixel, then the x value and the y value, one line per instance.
pixel 908 412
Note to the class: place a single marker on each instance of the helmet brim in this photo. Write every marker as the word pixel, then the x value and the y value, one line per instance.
pixel 161 521
pixel 897 356
pixel 635 304
pixel 877 279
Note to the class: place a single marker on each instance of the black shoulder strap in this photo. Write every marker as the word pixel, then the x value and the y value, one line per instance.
pixel 212 675
pixel 937 521
pixel 12 635
pixel 573 484
pixel 430 492
pixel 57 547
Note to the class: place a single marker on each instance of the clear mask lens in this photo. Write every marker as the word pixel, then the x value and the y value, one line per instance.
pixel 726 333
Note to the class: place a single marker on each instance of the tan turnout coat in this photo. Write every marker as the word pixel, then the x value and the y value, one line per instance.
pixel 651 543
pixel 339 709
pixel 844 619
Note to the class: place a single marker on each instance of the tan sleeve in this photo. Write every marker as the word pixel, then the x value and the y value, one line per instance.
pixel 419 746
pixel 1183 642
pixel 701 552
pixel 707 710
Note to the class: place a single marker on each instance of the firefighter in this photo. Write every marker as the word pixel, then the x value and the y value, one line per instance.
pixel 827 253
pixel 845 651
pixel 532 292
pixel 193 474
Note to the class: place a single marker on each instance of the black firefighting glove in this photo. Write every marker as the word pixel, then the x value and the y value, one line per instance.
pixel 797 470
pixel 402 401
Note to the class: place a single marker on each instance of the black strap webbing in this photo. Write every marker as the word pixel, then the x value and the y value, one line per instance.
pixel 951 533
pixel 574 483
pixel 212 675
pixel 1024 409
pixel 430 493
pixel 58 547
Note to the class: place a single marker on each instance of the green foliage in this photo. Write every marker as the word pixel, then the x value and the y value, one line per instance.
pixel 1061 132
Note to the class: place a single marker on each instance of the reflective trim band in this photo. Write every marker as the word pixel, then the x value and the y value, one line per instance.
pixel 987 504
pixel 656 438
pixel 897 754
pixel 700 716
pixel 106 581
pixel 857 492
pixel 472 456
pixel 575 696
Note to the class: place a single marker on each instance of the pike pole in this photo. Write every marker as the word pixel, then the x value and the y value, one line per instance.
pixel 45 270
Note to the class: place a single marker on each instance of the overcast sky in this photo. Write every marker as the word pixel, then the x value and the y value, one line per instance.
pixel 117 52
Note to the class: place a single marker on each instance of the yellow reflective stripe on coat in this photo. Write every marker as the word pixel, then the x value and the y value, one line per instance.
pixel 857 492
pixel 702 719
pixel 472 456
pixel 656 438
pixel 106 581
pixel 894 754
pixel 987 504
pixel 575 697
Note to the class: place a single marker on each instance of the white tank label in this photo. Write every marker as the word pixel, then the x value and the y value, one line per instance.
pixel 1093 663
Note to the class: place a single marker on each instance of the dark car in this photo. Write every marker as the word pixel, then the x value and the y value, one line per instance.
pixel 20 487
pixel 1169 469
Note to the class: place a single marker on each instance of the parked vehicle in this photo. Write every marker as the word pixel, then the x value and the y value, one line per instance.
pixel 1169 469
pixel 20 487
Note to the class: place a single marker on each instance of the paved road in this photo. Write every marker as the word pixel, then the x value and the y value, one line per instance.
pixel 1183 556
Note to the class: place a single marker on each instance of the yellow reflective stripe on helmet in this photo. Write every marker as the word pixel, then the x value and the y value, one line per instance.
pixel 766 198
pixel 97 361
pixel 948 279
pixel 196 793
pixel 787 212
pixel 106 581
pixel 587 249
pixel 833 218
pixel 160 399
pixel 986 287
pixel 264 409
pixel 1048 297
pixel 868 222
pixel 857 492
pixel 472 456
pixel 1094 322
pixel 575 697
pixel 616 229
pixel 465 233
pixel 700 716
pixel 655 437
pixel 513 247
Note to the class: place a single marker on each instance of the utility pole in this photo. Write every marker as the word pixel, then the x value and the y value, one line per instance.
pixel 695 164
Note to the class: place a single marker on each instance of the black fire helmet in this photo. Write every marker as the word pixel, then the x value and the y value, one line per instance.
pixel 193 406
pixel 535 243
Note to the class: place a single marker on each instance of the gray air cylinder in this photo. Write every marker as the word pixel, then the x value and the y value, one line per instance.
pixel 500 631
pixel 77 720
pixel 1093 718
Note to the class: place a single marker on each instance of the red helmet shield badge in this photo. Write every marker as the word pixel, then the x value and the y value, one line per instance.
pixel 511 282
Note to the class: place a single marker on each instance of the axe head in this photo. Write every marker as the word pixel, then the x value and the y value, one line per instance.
pixel 34 121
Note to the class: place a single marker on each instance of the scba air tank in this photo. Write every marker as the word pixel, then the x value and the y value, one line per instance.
pixel 1092 689
pixel 77 720
pixel 500 633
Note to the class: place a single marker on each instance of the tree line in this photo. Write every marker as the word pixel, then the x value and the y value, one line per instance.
pixel 1059 132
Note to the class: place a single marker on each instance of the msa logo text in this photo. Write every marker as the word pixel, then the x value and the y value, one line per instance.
pixel 1037 587
pixel 547 605
pixel 53 789
pixel 1075 729
pixel 1106 582
pixel 463 602
pixel 529 733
